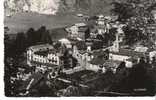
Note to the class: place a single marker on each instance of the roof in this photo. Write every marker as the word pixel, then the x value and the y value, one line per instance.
pixel 128 52
pixel 131 59
pixel 46 64
pixel 80 24
pixel 46 52
pixel 82 51
pixel 81 45
pixel 151 49
pixel 42 46
pixel 99 52
pixel 98 61
pixel 111 63
pixel 83 29
pixel 65 41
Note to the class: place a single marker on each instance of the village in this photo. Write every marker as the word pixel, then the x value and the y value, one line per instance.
pixel 102 55
pixel 83 50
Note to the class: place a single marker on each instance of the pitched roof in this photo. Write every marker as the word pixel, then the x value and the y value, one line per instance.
pixel 80 24
pixel 81 45
pixel 65 40
pixel 42 46
pixel 46 64
pixel 82 51
pixel 98 61
pixel 111 63
pixel 99 52
pixel 46 52
pixel 128 52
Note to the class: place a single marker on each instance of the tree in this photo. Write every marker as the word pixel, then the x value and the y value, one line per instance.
pixel 110 36
pixel 133 35
pixel 72 90
pixel 7 45
pixel 19 45
pixel 31 37
pixel 43 35
pixel 87 33
pixel 46 37
pixel 137 16
pixel 57 45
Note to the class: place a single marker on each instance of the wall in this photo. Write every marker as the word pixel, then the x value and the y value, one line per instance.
pixel 118 57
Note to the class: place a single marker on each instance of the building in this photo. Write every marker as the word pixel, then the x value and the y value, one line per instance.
pixel 97 60
pixel 140 49
pixel 43 56
pixel 97 64
pixel 77 31
pixel 121 54
pixel 127 55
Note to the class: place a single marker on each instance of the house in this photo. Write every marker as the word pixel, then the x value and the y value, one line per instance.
pixel 140 48
pixel 77 30
pixel 43 56
pixel 68 60
pixel 79 52
pixel 101 20
pixel 97 60
pixel 128 55
pixel 122 54
pixel 149 51
pixel 112 65
pixel 97 64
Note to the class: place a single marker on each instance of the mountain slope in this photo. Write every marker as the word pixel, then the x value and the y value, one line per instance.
pixel 57 6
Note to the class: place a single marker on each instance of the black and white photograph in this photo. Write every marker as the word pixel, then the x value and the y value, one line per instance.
pixel 79 48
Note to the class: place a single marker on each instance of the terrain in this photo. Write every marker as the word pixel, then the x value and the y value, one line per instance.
pixel 58 6
pixel 51 13
pixel 21 22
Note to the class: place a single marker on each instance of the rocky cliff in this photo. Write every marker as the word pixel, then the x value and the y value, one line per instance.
pixel 58 6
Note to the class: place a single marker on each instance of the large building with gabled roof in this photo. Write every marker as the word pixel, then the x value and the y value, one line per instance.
pixel 43 56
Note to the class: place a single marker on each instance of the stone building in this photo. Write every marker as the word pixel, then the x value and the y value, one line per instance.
pixel 43 56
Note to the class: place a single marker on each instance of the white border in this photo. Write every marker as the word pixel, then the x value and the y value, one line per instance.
pixel 1 49
pixel 2 96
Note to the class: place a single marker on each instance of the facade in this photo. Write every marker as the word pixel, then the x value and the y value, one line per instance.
pixel 121 54
pixel 96 64
pixel 43 56
pixel 77 31
pixel 126 55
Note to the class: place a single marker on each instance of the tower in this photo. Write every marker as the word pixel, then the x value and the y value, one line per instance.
pixel 115 47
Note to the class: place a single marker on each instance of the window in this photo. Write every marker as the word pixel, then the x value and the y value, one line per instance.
pixel 111 57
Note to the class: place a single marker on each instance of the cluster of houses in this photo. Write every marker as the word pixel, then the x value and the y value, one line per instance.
pixel 46 56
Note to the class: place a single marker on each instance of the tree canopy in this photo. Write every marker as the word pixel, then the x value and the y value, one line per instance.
pixel 137 15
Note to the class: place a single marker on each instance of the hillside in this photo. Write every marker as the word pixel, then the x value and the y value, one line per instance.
pixel 57 6
pixel 51 13
pixel 23 21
